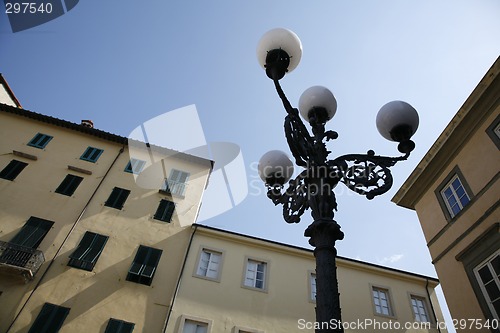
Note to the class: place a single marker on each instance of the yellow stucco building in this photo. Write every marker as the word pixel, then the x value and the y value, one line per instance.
pixel 81 243
pixel 455 192
pixel 233 283
pixel 97 235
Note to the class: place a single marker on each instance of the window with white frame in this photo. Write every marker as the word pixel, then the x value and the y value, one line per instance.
pixel 190 324
pixel 255 274
pixel 419 307
pixel 209 264
pixel 381 301
pixel 455 196
pixel 312 286
pixel 488 276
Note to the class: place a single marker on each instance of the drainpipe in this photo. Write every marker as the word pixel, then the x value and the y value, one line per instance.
pixel 65 239
pixel 432 306
pixel 179 280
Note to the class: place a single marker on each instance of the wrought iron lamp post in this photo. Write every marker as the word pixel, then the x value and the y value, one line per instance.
pixel 279 51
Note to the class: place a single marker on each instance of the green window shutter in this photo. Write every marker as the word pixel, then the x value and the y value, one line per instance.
pixel 119 326
pixel 50 319
pixel 69 185
pixel 144 265
pixel 40 140
pixel 117 198
pixel 165 211
pixel 32 233
pixel 91 154
pixel 88 251
pixel 12 170
pixel 135 166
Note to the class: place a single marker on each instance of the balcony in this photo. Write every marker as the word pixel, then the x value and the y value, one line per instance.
pixel 174 188
pixel 21 261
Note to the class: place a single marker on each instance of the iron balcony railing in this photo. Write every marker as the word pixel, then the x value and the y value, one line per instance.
pixel 20 260
pixel 174 187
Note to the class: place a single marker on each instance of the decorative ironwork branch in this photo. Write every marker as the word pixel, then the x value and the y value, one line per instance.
pixel 365 174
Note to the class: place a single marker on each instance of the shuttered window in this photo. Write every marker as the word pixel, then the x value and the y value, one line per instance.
pixel 88 251
pixel 12 170
pixel 119 326
pixel 144 266
pixel 91 154
pixel 32 233
pixel 117 198
pixel 50 319
pixel 135 166
pixel 40 140
pixel 69 185
pixel 176 183
pixel 165 211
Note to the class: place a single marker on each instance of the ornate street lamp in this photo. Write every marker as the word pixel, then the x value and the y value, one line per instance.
pixel 279 51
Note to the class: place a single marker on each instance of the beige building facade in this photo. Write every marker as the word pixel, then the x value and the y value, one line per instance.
pixel 97 235
pixel 233 283
pixel 455 192
pixel 90 225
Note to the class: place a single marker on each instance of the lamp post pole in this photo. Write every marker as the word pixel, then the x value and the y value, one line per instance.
pixel 279 52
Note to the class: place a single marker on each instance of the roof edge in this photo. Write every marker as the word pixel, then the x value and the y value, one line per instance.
pixel 4 82
pixel 97 132
pixel 310 251
pixel 459 130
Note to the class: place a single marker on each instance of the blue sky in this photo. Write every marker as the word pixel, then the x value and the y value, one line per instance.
pixel 121 63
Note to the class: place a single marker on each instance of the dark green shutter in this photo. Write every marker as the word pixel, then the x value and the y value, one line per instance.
pixel 69 185
pixel 88 251
pixel 117 198
pixel 50 319
pixel 119 326
pixel 144 265
pixel 12 170
pixel 165 211
pixel 32 233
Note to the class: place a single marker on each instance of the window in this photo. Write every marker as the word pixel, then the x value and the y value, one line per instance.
pixel 493 131
pixel 32 233
pixel 419 309
pixel 238 329
pixel 117 198
pixel 176 182
pixel 488 276
pixel 165 211
pixel 312 286
pixel 482 265
pixel 88 251
pixel 255 274
pixel 209 264
pixel 119 326
pixel 144 266
pixel 382 302
pixel 91 154
pixel 190 324
pixel 455 196
pixel 12 170
pixel 135 166
pixel 69 185
pixel 40 141
pixel 50 319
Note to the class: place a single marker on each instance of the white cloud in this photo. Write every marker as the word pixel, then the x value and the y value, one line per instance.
pixel 392 259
